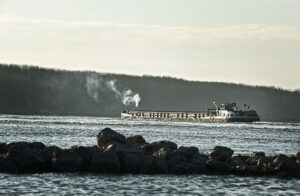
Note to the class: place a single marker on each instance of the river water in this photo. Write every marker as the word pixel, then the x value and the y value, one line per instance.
pixel 66 131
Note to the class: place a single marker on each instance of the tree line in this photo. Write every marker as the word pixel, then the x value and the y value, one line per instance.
pixel 34 90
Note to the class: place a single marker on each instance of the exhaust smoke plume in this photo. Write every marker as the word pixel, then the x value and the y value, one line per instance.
pixel 111 85
pixel 129 97
pixel 96 85
pixel 92 85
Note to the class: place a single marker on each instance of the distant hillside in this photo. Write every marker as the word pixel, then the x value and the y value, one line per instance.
pixel 34 90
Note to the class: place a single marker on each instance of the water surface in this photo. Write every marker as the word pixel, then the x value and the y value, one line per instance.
pixel 243 138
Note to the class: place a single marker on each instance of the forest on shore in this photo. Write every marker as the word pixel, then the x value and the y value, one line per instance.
pixel 35 90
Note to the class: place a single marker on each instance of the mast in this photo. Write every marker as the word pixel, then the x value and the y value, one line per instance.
pixel 216 106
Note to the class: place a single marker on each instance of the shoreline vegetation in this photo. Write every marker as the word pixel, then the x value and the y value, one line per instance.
pixel 117 154
pixel 33 90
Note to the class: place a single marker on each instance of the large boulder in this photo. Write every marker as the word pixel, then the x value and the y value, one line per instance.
pixel 146 164
pixel 230 163
pixel 52 149
pixel 23 144
pixel 86 154
pixel 254 157
pixel 188 152
pixel 189 168
pixel 26 159
pixel 298 157
pixel 244 158
pixel 37 145
pixel 163 153
pixel 177 162
pixel 180 164
pixel 3 148
pixel 278 159
pixel 136 140
pixel 124 148
pixel 105 162
pixel 20 143
pixel 239 160
pixel 160 166
pixel 174 159
pixel 267 170
pixel 184 161
pixel 289 166
pixel 107 136
pixel 67 161
pixel 153 165
pixel 199 159
pixel 262 162
pixel 217 166
pixel 8 166
pixel 130 163
pixel 221 153
pixel 155 146
pixel 49 153
pixel 184 168
pixel 248 170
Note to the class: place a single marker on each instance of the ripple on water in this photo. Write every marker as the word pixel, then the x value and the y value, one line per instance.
pixel 67 183
pixel 243 138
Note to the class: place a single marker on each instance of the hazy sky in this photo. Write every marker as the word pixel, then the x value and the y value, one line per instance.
pixel 242 41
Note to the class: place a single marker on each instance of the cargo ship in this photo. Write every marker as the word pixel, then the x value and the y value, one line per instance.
pixel 227 112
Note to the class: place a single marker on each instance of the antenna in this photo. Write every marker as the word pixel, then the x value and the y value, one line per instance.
pixel 216 106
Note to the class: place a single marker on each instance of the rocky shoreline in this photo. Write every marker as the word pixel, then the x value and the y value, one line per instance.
pixel 117 154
